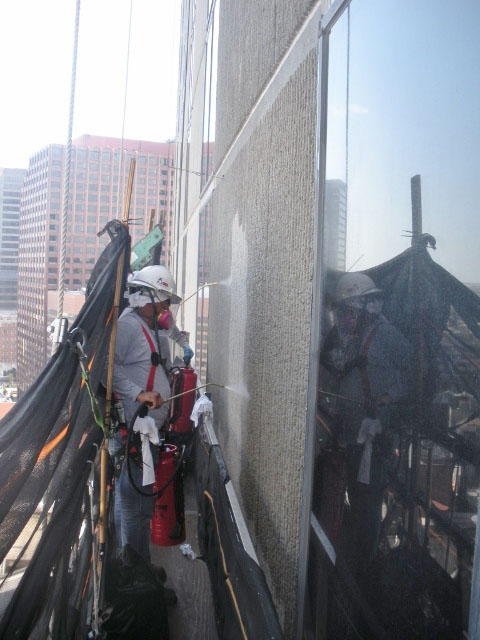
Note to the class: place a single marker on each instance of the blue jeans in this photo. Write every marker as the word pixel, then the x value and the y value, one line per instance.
pixel 132 510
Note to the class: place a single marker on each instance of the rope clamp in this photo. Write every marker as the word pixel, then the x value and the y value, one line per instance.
pixel 78 345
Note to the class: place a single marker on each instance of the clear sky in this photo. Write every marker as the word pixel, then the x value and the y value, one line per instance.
pixel 414 108
pixel 36 44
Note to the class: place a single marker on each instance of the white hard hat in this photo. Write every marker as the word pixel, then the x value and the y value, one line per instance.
pixel 158 279
pixel 353 285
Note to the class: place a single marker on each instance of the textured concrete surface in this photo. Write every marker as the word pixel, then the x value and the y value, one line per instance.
pixel 253 36
pixel 260 324
pixel 262 254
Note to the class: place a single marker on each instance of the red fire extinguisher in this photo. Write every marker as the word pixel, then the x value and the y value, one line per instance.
pixel 181 408
pixel 167 526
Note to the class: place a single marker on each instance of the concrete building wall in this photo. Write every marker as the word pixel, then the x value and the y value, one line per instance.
pixel 264 251
pixel 255 35
pixel 261 198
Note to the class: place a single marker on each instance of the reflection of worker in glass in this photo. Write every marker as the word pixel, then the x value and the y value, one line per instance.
pixel 371 362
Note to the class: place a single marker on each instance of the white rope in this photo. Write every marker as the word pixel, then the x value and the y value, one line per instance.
pixel 347 122
pixel 121 182
pixel 68 160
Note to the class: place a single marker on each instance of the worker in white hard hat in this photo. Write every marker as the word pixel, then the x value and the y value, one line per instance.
pixel 372 363
pixel 141 285
pixel 140 376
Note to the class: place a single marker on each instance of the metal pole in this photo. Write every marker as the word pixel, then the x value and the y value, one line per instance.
pixel 207 284
pixel 302 599
pixel 202 386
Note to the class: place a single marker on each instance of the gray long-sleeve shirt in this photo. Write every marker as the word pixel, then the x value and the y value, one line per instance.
pixel 132 365
pixel 389 372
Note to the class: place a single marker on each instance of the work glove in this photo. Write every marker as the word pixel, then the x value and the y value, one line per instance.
pixel 187 354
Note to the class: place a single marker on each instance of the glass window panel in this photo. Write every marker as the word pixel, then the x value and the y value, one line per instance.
pixel 397 459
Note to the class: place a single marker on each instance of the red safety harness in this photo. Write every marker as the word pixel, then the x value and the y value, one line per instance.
pixel 363 370
pixel 151 378
pixel 153 368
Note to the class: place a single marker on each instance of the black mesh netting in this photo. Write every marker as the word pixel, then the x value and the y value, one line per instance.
pixel 47 441
pixel 243 604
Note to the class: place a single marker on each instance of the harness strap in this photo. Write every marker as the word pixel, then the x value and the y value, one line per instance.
pixel 363 371
pixel 153 368
pixel 149 387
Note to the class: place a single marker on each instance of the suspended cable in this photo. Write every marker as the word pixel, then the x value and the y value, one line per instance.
pixel 66 183
pixel 121 182
pixel 347 123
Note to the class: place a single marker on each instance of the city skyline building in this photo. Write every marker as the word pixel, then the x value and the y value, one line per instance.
pixel 11 183
pixel 335 224
pixel 98 179
pixel 8 341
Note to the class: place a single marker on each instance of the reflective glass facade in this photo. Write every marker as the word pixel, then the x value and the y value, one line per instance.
pixel 397 435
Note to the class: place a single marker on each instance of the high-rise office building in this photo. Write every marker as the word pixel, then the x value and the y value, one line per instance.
pixel 8 341
pixel 11 182
pixel 335 224
pixel 98 179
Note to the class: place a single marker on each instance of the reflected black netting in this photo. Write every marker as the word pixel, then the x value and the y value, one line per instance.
pixel 435 310
pixel 47 441
pixel 409 586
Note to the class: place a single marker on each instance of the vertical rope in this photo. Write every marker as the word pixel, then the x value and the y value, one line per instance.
pixel 121 180
pixel 347 122
pixel 68 160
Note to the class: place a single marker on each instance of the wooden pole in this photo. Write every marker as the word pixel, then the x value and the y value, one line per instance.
pixel 111 354
pixel 416 191
pixel 416 194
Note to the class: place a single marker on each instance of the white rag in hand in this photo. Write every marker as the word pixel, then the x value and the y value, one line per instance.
pixel 148 431
pixel 369 428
